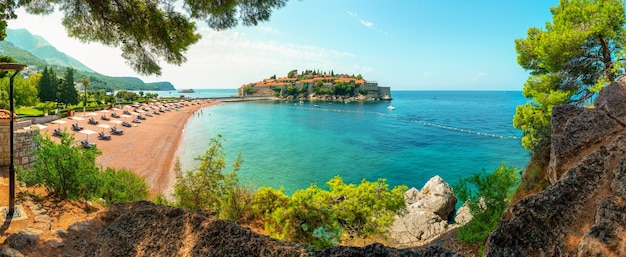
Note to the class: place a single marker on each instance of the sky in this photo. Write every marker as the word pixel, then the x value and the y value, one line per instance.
pixel 404 44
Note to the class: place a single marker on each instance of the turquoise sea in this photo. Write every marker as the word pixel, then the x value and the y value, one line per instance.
pixel 293 144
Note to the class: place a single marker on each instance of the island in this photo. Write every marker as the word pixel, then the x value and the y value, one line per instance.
pixel 186 91
pixel 316 85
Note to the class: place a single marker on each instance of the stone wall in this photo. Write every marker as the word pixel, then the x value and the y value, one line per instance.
pixel 23 144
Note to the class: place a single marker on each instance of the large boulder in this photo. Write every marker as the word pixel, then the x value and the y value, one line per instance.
pixel 427 214
pixel 436 196
pixel 417 227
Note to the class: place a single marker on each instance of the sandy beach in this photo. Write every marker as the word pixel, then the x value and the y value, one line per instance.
pixel 147 148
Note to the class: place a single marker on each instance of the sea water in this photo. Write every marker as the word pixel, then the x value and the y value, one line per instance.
pixel 292 144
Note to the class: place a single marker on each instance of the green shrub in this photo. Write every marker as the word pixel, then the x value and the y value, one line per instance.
pixel 205 186
pixel 121 186
pixel 266 200
pixel 487 196
pixel 319 217
pixel 235 204
pixel 66 170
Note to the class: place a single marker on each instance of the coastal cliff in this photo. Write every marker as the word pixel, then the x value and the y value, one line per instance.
pixel 583 211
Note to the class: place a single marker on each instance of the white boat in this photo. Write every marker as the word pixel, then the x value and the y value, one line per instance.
pixel 391 107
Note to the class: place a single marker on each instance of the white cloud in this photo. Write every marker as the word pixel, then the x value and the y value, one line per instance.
pixel 366 23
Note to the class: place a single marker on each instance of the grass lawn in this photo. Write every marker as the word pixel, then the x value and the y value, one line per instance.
pixel 28 111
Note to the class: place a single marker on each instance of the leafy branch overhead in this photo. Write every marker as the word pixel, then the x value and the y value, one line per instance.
pixel 147 31
pixel 570 61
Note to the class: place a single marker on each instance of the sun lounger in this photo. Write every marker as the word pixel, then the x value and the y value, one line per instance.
pixel 136 121
pixel 126 124
pixel 86 144
pixel 148 114
pixel 104 117
pixel 141 117
pixel 93 121
pixel 104 136
pixel 126 112
pixel 116 131
pixel 75 127
pixel 115 115
pixel 58 132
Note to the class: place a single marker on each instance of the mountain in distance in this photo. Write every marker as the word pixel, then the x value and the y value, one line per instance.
pixel 39 47
pixel 21 55
pixel 34 50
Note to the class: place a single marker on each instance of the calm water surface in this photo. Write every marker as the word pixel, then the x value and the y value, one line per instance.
pixel 293 144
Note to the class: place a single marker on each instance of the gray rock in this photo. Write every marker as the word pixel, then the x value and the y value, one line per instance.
pixel 436 196
pixel 463 215
pixel 427 213
pixel 603 238
pixel 55 243
pixel 417 227
pixel 574 129
pixel 611 101
pixel 22 238
pixel 10 252
pixel 412 195
pixel 80 226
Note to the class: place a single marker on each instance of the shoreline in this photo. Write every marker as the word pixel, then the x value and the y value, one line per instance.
pixel 148 149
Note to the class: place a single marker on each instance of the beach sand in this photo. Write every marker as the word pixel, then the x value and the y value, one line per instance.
pixel 148 149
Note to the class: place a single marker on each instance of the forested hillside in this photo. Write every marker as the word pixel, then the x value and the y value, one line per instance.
pixel 35 51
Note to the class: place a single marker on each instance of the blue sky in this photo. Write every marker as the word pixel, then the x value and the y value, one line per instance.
pixel 407 44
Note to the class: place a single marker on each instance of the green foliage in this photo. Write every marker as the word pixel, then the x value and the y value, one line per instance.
pixel 308 211
pixel 368 208
pixel 127 95
pixel 67 93
pixel 569 61
pixel 236 203
pixel 267 200
pixel 66 170
pixel 48 86
pixel 24 91
pixel 319 217
pixel 487 196
pixel 121 186
pixel 205 186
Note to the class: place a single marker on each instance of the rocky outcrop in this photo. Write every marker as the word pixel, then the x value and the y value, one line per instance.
pixel 428 212
pixel 146 229
pixel 583 212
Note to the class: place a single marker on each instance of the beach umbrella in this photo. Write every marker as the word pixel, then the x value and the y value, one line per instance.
pixel 104 111
pixel 116 122
pixel 59 122
pixel 87 132
pixel 91 114
pixel 125 116
pixel 77 118
pixel 39 126
pixel 104 126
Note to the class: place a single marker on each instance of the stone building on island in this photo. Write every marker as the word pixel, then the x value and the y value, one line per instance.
pixel 307 83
